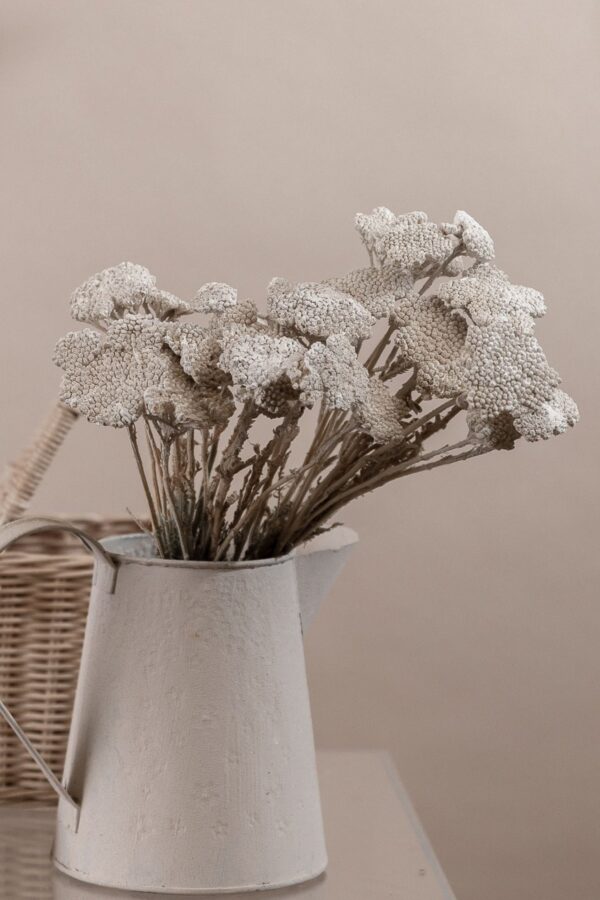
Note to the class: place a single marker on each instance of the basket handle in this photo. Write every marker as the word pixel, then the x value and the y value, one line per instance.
pixel 105 573
pixel 22 477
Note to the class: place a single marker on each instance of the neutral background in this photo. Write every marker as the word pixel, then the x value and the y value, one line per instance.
pixel 235 140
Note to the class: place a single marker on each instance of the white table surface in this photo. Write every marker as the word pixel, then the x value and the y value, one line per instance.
pixel 377 847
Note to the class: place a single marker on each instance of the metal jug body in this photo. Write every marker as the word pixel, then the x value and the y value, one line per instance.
pixel 191 751
pixel 190 766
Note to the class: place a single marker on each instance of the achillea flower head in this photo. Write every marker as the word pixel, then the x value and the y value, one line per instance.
pixel 409 240
pixel 551 417
pixel 214 297
pixel 377 289
pixel 432 338
pixel 244 312
pixel 263 367
pixel 198 349
pixel 119 290
pixel 335 376
pixel 484 292
pixel 476 239
pixel 475 339
pixel 105 379
pixel 116 378
pixel 318 310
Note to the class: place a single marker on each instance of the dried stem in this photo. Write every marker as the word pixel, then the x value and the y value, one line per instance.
pixel 167 481
pixel 213 502
pixel 151 504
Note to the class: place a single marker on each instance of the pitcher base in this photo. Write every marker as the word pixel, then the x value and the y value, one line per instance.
pixel 76 876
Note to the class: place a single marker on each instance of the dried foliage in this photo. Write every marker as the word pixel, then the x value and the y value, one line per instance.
pixel 386 355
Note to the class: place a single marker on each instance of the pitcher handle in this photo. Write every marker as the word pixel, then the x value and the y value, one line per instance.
pixel 105 575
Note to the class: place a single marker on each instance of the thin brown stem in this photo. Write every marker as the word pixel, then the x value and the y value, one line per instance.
pixel 165 459
pixel 150 500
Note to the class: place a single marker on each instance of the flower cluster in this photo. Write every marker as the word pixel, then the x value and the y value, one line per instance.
pixel 474 338
pixel 386 354
pixel 409 240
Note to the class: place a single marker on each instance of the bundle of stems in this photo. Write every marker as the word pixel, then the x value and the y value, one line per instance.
pixel 211 499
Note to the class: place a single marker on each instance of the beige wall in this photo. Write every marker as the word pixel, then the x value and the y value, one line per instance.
pixel 235 140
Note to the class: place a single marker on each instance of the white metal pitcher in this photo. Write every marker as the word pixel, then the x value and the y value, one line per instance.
pixel 190 766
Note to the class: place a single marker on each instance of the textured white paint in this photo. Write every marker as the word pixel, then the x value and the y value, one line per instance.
pixel 191 750
pixel 318 564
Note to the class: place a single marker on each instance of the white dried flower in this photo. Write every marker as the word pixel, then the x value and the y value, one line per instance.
pixel 105 380
pixel 244 312
pixel 475 339
pixel 122 289
pixel 198 349
pixel 115 379
pixel 432 338
pixel 166 305
pixel 214 297
pixel 263 367
pixel 317 310
pixel 551 417
pixel 408 240
pixel 505 369
pixel 485 292
pixel 374 226
pixel 335 375
pixel 476 239
pixel 380 413
pixel 377 289
pixel 114 290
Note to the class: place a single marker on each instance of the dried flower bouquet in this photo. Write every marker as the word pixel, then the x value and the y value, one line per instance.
pixel 388 355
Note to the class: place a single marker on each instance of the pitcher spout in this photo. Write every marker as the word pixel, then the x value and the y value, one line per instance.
pixel 318 563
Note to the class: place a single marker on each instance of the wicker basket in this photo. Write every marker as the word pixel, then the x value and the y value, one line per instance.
pixel 44 592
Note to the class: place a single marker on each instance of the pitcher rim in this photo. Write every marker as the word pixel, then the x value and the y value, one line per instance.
pixel 212 565
pixel 337 538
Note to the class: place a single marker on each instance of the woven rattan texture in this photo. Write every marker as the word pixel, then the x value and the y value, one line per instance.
pixel 44 593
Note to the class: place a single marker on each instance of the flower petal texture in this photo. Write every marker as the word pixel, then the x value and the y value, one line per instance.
pixel 263 367
pixel 409 240
pixel 335 375
pixel 484 293
pixel 476 239
pixel 318 310
pixel 122 289
pixel 214 297
pixel 198 349
pixel 377 289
